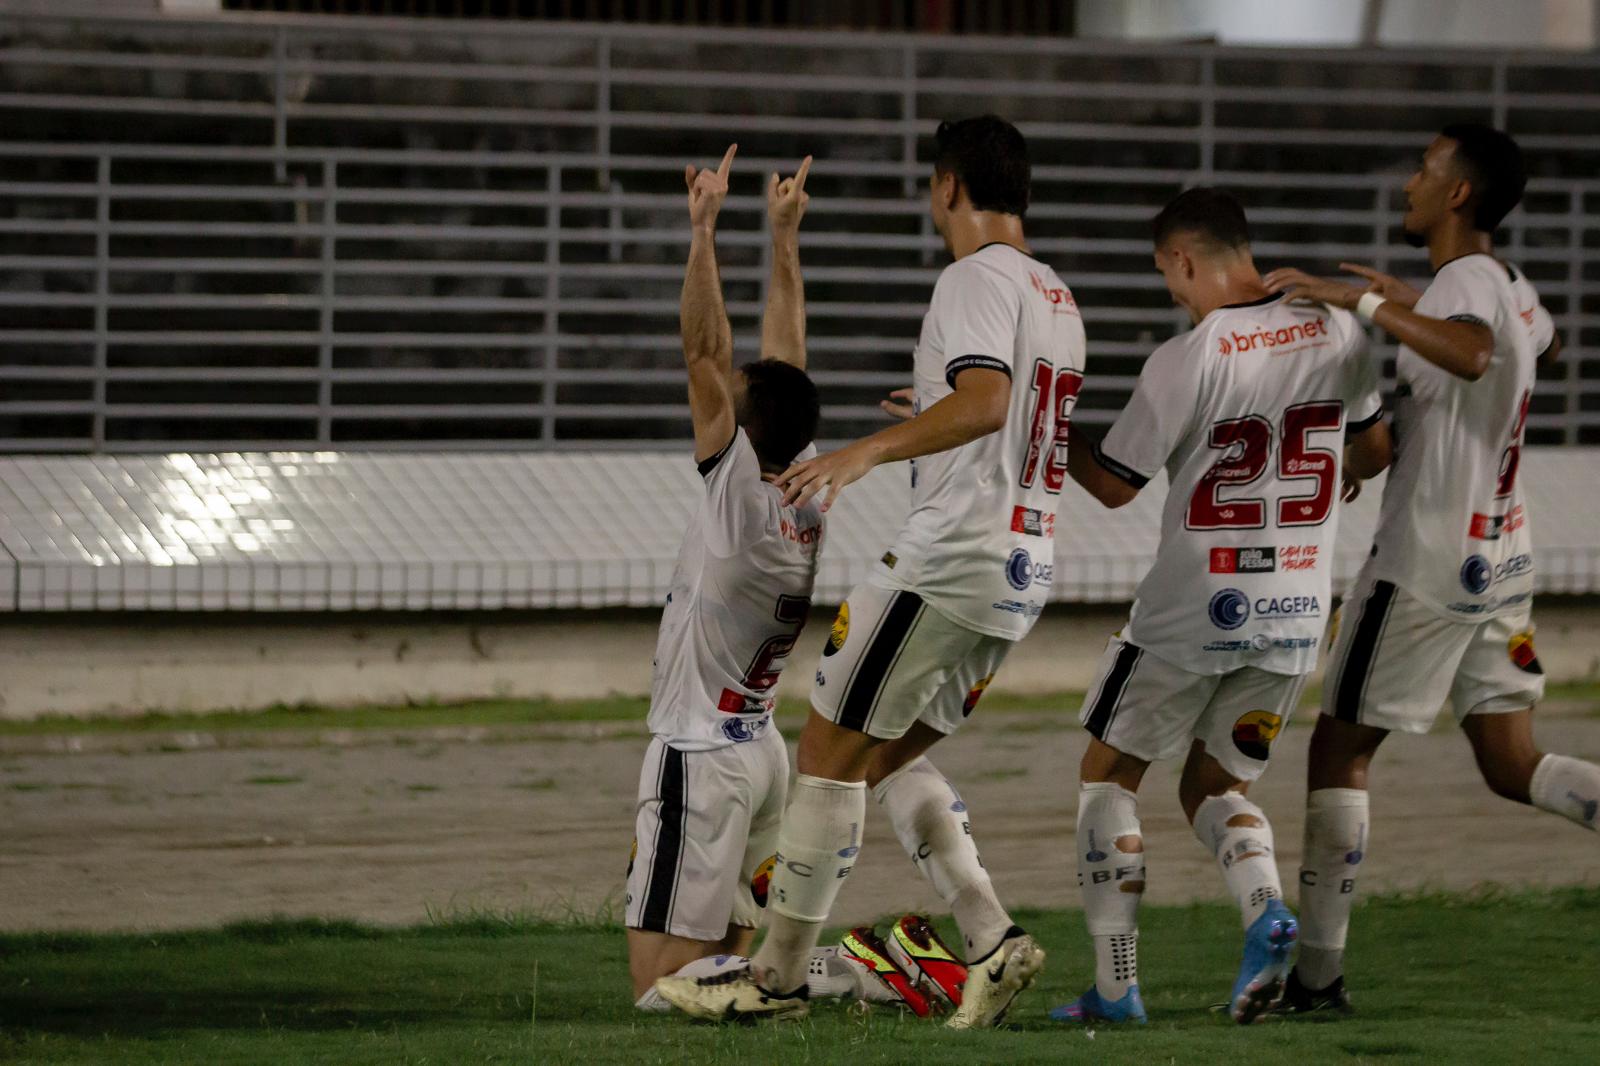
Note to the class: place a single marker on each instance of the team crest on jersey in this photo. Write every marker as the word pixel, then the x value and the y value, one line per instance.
pixel 1521 649
pixel 761 880
pixel 975 695
pixel 840 632
pixel 1255 731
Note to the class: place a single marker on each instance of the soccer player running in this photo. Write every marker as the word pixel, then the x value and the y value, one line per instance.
pixel 996 373
pixel 1252 414
pixel 1442 607
pixel 715 774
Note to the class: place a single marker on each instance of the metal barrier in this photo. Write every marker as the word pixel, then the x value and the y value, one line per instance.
pixel 247 232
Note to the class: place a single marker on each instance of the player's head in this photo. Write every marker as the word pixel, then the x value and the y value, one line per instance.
pixel 1200 234
pixel 979 164
pixel 777 404
pixel 1470 172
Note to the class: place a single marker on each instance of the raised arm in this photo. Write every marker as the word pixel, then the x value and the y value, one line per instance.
pixel 783 321
pixel 1457 347
pixel 702 317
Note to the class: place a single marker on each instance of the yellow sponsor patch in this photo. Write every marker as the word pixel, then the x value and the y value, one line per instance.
pixel 1255 731
pixel 761 880
pixel 841 630
pixel 975 695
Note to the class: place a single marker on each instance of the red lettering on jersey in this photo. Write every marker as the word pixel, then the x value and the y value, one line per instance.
pixel 806 536
pixel 1249 342
pixel 1057 296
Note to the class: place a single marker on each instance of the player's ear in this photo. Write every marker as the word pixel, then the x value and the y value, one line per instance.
pixel 1460 193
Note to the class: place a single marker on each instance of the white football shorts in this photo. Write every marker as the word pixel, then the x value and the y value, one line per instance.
pixel 1395 662
pixel 705 831
pixel 1149 708
pixel 893 659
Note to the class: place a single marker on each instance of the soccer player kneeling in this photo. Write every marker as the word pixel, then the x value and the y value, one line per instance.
pixel 1254 415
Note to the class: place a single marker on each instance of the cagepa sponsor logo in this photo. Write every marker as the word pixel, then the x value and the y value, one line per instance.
pixel 1476 573
pixel 742 729
pixel 1287 607
pixel 1229 609
pixel 1022 571
pixel 1243 560
pixel 1273 338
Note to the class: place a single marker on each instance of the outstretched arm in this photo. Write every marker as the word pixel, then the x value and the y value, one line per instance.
pixel 976 408
pixel 783 321
pixel 1095 479
pixel 702 317
pixel 1456 347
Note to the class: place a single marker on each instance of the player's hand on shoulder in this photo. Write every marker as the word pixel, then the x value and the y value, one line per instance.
pixel 1386 285
pixel 904 409
pixel 1302 286
pixel 826 474
pixel 707 190
pixel 787 198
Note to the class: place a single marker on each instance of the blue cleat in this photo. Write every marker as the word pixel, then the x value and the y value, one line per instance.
pixel 1265 967
pixel 1090 1007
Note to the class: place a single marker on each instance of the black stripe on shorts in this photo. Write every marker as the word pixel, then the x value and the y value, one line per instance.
pixel 861 696
pixel 673 789
pixel 1357 667
pixel 1116 683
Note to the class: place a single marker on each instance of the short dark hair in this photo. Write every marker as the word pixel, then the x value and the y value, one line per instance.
pixel 779 411
pixel 990 158
pixel 1491 161
pixel 1212 213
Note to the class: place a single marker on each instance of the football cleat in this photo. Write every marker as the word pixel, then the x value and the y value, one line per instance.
pixel 731 997
pixel 1265 966
pixel 1093 1007
pixel 915 946
pixel 1298 999
pixel 995 981
pixel 863 947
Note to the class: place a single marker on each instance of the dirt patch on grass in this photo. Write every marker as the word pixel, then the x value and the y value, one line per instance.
pixel 391 825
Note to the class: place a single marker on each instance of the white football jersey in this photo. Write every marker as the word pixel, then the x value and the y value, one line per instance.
pixel 978 543
pixel 740 594
pixel 1453 530
pixel 1247 413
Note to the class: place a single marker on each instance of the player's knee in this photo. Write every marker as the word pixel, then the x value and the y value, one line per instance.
pixel 1507 778
pixel 1244 821
pixel 1130 845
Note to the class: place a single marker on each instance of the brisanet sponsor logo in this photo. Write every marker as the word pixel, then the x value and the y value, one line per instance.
pixel 1234 341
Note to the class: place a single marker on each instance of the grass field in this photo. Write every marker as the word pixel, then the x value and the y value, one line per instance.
pixel 1484 978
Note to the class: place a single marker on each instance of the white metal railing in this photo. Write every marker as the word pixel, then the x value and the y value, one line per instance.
pixel 286 278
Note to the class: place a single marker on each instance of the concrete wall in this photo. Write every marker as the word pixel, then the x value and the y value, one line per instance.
pixel 85 665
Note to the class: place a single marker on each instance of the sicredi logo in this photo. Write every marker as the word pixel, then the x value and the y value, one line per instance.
pixel 1273 338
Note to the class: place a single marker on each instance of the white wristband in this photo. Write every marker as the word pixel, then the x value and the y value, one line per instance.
pixel 1368 305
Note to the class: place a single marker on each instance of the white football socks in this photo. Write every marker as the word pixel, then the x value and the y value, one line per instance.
pixel 1238 834
pixel 1111 876
pixel 931 821
pixel 1336 842
pixel 817 847
pixel 1568 787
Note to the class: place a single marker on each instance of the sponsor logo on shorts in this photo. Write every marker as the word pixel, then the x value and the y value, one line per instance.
pixel 1244 560
pixel 1254 733
pixel 975 695
pixel 761 880
pixel 1520 648
pixel 1494 526
pixel 838 634
pixel 742 729
pixel 1032 523
pixel 1229 609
